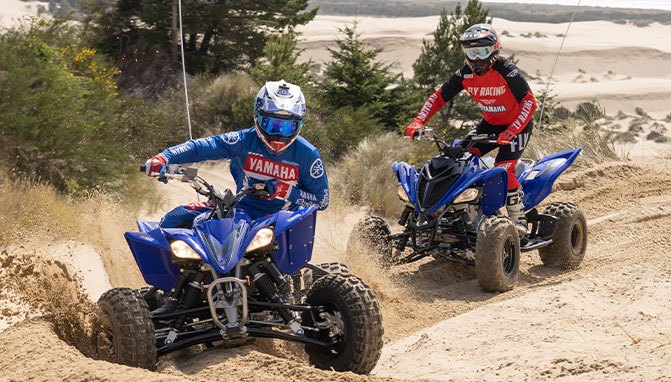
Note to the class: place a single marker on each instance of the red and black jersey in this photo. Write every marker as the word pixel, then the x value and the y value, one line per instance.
pixel 503 95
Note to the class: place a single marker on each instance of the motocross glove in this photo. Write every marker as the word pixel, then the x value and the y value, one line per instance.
pixel 155 166
pixel 413 129
pixel 277 189
pixel 505 137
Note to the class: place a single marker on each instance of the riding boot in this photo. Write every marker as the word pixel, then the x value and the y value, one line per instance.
pixel 169 307
pixel 173 297
pixel 516 210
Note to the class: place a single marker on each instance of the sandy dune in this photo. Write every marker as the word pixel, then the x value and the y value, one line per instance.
pixel 624 66
pixel 607 320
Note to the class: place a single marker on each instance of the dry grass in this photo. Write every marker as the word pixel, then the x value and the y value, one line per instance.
pixel 32 212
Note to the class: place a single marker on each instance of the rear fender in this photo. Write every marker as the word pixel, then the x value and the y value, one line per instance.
pixel 537 182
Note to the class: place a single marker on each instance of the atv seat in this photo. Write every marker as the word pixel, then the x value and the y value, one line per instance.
pixel 522 165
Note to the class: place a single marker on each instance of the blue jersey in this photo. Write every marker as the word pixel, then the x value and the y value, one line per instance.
pixel 300 166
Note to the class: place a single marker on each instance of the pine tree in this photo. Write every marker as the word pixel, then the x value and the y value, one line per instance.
pixel 354 77
pixel 442 56
pixel 219 36
pixel 280 62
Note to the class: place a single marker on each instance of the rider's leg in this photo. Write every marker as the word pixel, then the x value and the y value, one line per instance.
pixel 179 217
pixel 507 158
pixel 182 216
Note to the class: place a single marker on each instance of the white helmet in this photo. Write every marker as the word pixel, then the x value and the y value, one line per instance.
pixel 278 114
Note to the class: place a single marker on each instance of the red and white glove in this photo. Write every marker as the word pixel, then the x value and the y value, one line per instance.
pixel 505 138
pixel 413 129
pixel 155 165
pixel 277 189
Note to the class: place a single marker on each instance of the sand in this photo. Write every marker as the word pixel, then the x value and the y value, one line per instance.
pixel 14 10
pixel 629 64
pixel 608 320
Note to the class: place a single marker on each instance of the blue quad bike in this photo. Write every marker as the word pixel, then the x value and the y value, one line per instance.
pixel 455 209
pixel 235 278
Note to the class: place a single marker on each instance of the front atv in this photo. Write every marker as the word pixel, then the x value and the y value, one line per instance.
pixel 230 278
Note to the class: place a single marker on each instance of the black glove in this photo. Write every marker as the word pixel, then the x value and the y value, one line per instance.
pixel 454 152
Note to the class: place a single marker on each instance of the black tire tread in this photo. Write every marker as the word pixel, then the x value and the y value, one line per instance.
pixel 129 316
pixel 335 268
pixel 488 263
pixel 559 254
pixel 366 317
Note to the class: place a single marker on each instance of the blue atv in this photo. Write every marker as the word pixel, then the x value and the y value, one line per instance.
pixel 455 209
pixel 233 278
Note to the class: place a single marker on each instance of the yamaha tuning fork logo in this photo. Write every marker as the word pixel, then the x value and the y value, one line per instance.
pixel 231 138
pixel 317 169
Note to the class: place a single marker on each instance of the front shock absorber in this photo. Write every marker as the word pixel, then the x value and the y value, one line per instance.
pixel 264 283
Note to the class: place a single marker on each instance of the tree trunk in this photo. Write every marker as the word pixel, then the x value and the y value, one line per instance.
pixel 175 33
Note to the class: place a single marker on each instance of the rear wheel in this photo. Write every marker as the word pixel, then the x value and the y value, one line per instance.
pixel 497 255
pixel 125 332
pixel 371 236
pixel 569 241
pixel 355 330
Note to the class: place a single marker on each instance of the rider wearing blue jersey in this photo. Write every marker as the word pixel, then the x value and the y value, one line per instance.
pixel 271 153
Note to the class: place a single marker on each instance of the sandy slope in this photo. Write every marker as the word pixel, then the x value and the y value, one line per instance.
pixel 623 66
pixel 607 320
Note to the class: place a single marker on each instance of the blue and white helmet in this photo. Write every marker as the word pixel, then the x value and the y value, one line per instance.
pixel 278 114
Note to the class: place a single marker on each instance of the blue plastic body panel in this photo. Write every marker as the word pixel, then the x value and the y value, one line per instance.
pixel 493 181
pixel 537 181
pixel 222 243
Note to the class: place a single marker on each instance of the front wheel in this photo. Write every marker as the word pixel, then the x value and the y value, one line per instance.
pixel 125 332
pixel 497 255
pixel 354 328
pixel 569 241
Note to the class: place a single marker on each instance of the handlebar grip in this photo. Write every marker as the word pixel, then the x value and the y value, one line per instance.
pixel 143 168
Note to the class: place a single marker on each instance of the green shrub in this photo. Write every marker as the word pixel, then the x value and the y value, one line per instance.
pixel 59 109
pixel 336 133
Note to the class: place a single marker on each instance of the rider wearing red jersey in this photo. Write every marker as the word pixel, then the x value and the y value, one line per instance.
pixel 505 99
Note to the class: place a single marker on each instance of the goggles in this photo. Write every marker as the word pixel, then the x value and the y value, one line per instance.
pixel 279 126
pixel 478 52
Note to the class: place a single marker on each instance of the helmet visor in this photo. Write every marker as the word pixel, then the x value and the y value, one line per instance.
pixel 278 126
pixel 479 52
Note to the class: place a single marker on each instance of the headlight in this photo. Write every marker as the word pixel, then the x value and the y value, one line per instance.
pixel 183 251
pixel 262 239
pixel 469 195
pixel 403 195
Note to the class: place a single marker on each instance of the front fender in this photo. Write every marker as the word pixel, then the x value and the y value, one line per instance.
pixel 153 256
pixel 537 182
pixel 295 235
pixel 407 177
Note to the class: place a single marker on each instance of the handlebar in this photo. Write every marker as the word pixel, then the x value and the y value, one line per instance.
pixel 426 133
pixel 224 201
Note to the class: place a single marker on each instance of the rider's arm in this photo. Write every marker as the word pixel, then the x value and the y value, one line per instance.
pixel 436 102
pixel 313 186
pixel 441 96
pixel 202 149
pixel 520 88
